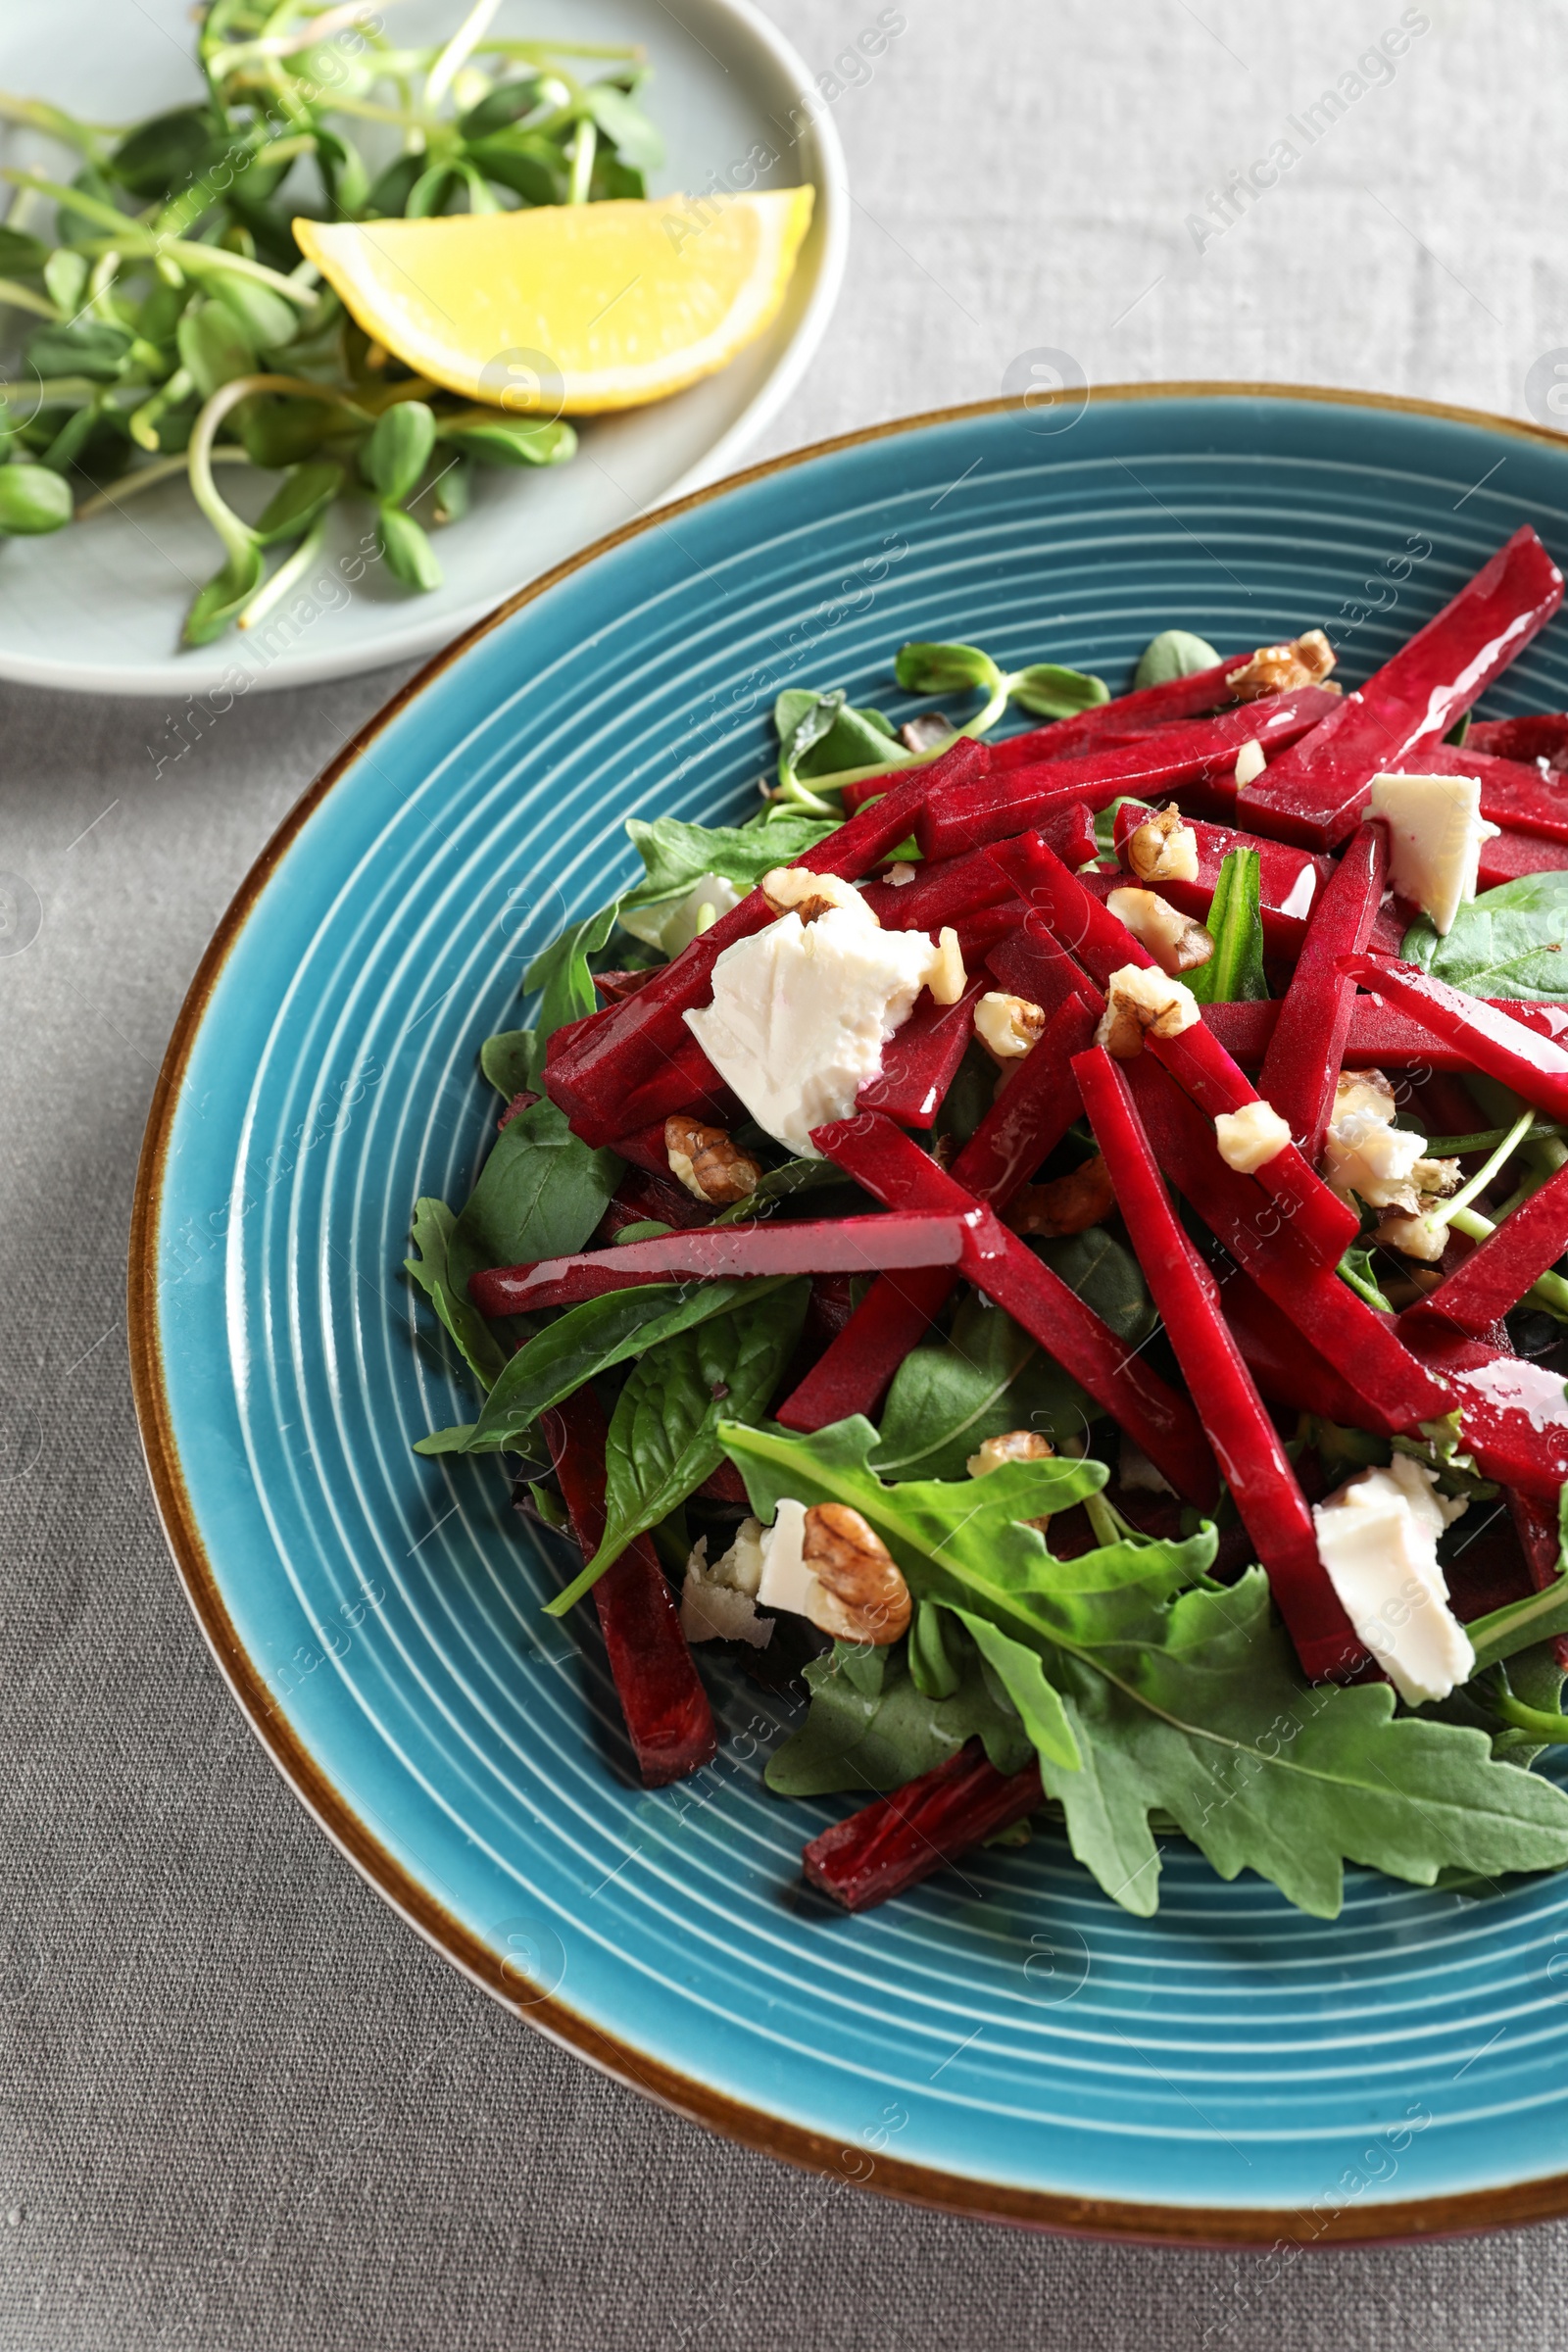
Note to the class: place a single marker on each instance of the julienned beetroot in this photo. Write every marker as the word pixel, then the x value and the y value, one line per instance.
pixel 1005 831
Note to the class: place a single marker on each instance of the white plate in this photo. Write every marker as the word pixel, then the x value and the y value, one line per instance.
pixel 98 606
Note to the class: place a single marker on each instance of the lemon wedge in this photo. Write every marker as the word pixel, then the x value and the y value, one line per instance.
pixel 568 310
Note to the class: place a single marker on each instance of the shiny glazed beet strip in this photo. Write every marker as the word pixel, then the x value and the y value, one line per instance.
pixel 1315 792
pixel 622 1053
pixel 1536 1526
pixel 1302 1066
pixel 890 1845
pixel 1491 1041
pixel 1380 1038
pixel 1290 880
pixel 1027 1120
pixel 1287 1368
pixel 1143 712
pixel 1515 1420
pixel 894 1170
pixel 1543 735
pixel 921 1059
pixel 1508 854
pixel 668 1719
pixel 1396 1391
pixel 1246 1443
pixel 955 887
pixel 714 1252
pixel 1513 794
pixel 966 816
pixel 1498 1273
pixel 1324 1225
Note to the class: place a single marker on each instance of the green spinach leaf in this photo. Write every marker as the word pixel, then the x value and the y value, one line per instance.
pixel 664 1434
pixel 1510 942
pixel 540 1193
pixel 1173 654
pixel 876 1730
pixel 507 1059
pixel 562 974
pixel 430 1267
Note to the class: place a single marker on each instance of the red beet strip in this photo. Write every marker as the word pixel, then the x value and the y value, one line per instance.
pixel 1291 881
pixel 1543 735
pixel 1500 1432
pixel 1508 854
pixel 964 816
pixel 1027 1120
pixel 1302 1066
pixel 1497 1275
pixel 1378 1039
pixel 714 1252
pixel 1246 1443
pixel 920 1060
pixel 1143 712
pixel 1490 1040
pixel 1287 1368
pixel 628 1041
pixel 1315 792
pixel 1513 793
pixel 1534 1523
pixel 1324 1224
pixel 895 1170
pixel 668 1715
pixel 890 1845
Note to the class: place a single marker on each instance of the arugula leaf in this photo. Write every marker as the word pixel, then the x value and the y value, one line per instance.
pixel 584 1342
pixel 868 1725
pixel 664 1434
pixel 430 1267
pixel 675 856
pixel 989 1376
pixel 1234 974
pixel 1173 654
pixel 1180 1697
pixel 1510 942
pixel 1355 1268
pixel 540 1193
pixel 1022 1675
pixel 507 1059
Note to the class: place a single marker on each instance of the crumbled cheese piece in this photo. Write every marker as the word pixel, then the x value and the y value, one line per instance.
pixel 1378 1540
pixel 1436 830
pixel 672 924
pixel 1302 891
pixel 1008 1027
pixel 1162 849
pixel 786 1582
pixel 1518 1386
pixel 1142 996
pixel 1249 763
pixel 1176 943
pixel 904 873
pixel 1365 1152
pixel 1250 1138
pixel 716 1603
pixel 801 1012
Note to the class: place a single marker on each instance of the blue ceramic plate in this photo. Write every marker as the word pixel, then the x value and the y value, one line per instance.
pixel 1004 2040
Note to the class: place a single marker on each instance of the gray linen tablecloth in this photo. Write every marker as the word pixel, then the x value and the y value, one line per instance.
pixel 240 2103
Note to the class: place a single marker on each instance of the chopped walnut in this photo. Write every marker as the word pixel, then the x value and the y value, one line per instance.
pixel 705 1161
pixel 1162 849
pixel 1068 1203
pixel 1017 1445
pixel 927 733
pixel 1176 943
pixel 1436 1179
pixel 1419 1236
pixel 864 1596
pixel 796 890
pixel 1281 669
pixel 1142 996
pixel 945 974
pixel 1008 1027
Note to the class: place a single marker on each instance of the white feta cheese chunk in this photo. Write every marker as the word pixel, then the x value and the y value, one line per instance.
pixel 786 1581
pixel 1249 763
pixel 1250 1138
pixel 717 1607
pixel 1436 830
pixel 1378 1540
pixel 801 1015
pixel 673 923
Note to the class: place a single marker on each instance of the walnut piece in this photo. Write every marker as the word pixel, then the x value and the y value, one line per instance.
pixel 1162 849
pixel 705 1161
pixel 1142 996
pixel 863 1595
pixel 1008 1027
pixel 1176 943
pixel 796 890
pixel 1068 1203
pixel 927 733
pixel 1282 668
pixel 1417 1236
pixel 1015 1445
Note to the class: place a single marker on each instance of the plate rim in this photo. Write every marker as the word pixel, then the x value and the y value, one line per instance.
pixel 1403 2221
pixel 417 640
